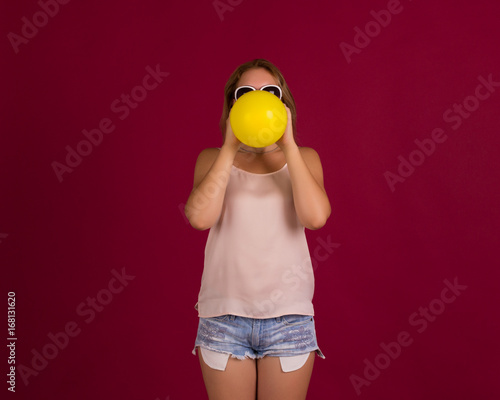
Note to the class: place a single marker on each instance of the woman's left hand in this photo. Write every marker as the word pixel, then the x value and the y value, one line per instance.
pixel 287 140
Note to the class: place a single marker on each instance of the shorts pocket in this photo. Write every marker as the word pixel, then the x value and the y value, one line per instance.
pixel 220 318
pixel 296 319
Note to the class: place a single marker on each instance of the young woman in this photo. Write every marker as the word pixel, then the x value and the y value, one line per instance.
pixel 256 337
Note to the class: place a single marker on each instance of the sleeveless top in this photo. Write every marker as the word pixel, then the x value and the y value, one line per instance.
pixel 257 262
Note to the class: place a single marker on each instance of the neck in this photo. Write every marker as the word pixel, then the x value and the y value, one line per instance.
pixel 258 150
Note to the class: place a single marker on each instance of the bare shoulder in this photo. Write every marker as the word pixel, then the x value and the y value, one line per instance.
pixel 205 160
pixel 313 162
pixel 208 155
pixel 309 155
pixel 308 151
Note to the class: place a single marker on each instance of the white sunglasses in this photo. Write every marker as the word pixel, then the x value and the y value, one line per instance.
pixel 273 89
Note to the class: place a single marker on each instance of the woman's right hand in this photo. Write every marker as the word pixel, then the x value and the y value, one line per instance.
pixel 211 176
pixel 230 140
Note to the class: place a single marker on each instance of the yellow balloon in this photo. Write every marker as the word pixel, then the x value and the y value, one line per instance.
pixel 258 118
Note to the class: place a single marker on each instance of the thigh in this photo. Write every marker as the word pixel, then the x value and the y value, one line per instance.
pixel 238 381
pixel 273 383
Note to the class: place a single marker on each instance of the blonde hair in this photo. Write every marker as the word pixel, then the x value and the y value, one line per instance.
pixel 230 87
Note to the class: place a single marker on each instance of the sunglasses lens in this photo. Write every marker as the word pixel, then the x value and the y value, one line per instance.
pixel 241 91
pixel 273 90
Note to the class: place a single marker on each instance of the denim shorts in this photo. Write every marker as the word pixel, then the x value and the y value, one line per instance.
pixel 242 337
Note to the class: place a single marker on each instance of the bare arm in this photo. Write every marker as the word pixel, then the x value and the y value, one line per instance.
pixel 211 176
pixel 306 173
pixel 309 195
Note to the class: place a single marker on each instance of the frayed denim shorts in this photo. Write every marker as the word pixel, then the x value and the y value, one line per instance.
pixel 243 337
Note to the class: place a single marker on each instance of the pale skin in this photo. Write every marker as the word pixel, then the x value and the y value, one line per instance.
pixel 260 379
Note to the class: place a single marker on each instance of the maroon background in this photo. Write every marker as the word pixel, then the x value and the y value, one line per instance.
pixel 120 207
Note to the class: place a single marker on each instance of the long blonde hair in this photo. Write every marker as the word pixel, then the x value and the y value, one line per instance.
pixel 230 87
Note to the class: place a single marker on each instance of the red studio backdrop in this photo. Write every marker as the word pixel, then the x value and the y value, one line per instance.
pixel 105 107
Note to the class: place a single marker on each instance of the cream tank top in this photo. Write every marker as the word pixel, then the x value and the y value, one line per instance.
pixel 257 262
